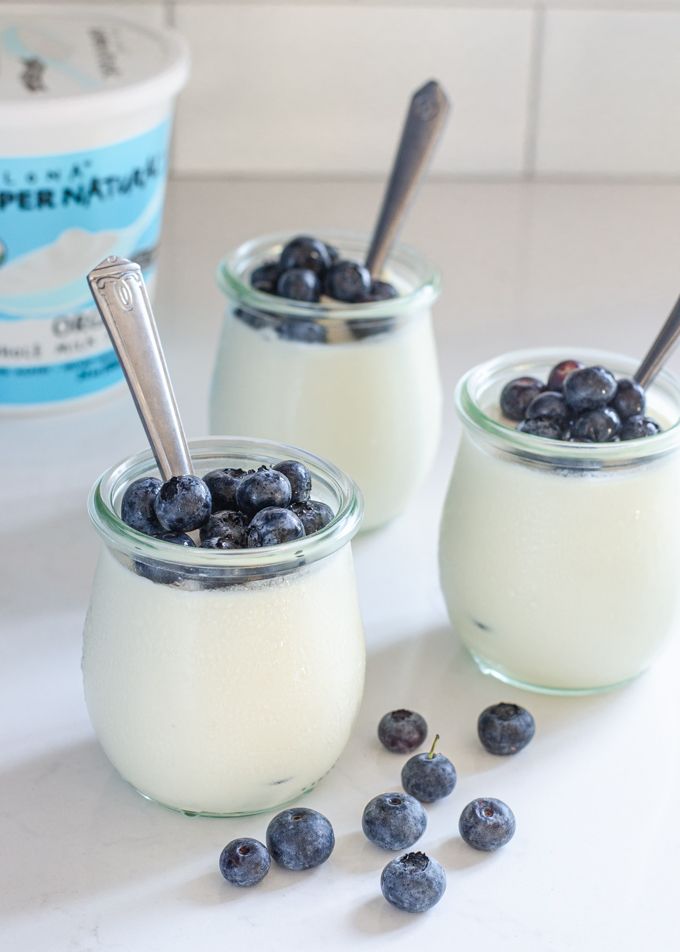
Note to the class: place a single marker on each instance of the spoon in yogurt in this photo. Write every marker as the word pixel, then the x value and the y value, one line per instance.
pixel 118 289
pixel 661 348
pixel 425 120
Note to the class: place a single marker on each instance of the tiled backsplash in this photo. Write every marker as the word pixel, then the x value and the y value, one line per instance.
pixel 577 88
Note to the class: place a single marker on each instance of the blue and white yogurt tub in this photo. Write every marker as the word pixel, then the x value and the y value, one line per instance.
pixel 86 107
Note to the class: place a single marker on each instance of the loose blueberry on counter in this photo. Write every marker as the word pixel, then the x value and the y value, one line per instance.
pixel 228 524
pixel 589 388
pixel 560 372
pixel 636 427
pixel 549 405
pixel 348 281
pixel 429 777
pixel 183 503
pixel 264 488
pixel 137 507
pixel 596 426
pixel 413 882
pixel 272 526
pixel 265 277
pixel 299 284
pixel 298 476
pixel 487 824
pixel 541 426
pixel 299 838
pixel 393 821
pixel 381 291
pixel 307 253
pixel 402 731
pixel 518 394
pixel 313 515
pixel 505 729
pixel 629 399
pixel 223 484
pixel 245 861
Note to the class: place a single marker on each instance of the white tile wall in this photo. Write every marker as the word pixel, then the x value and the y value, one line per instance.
pixel 323 89
pixel 610 94
pixel 579 88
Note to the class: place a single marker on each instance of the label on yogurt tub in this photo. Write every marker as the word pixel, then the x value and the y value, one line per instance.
pixel 60 215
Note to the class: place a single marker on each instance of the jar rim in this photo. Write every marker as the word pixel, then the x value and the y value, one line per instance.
pixel 231 267
pixel 581 454
pixel 108 489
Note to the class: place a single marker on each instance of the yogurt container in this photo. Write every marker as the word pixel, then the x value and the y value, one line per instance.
pixel 224 682
pixel 356 383
pixel 86 105
pixel 559 561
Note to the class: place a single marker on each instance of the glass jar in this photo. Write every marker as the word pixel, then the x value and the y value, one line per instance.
pixel 224 682
pixel 355 383
pixel 558 560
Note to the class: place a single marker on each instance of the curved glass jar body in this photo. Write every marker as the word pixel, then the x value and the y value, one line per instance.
pixel 559 561
pixel 356 383
pixel 224 682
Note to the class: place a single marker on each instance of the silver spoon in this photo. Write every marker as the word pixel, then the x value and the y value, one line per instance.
pixel 120 294
pixel 424 123
pixel 660 350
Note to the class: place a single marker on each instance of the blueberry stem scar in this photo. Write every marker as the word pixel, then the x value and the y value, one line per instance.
pixel 434 744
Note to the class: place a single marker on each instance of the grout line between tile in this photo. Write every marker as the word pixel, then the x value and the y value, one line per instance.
pixel 534 91
pixel 439 178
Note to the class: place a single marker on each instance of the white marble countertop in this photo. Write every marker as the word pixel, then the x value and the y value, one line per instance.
pixel 89 865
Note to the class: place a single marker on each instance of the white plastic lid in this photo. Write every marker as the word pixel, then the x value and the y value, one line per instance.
pixel 65 68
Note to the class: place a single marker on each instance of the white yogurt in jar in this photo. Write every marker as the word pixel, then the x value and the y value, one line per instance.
pixel 372 406
pixel 559 578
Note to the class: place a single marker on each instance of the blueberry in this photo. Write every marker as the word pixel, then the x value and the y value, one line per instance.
pixel 636 427
pixel 518 394
pixel 541 426
pixel 219 542
pixel 137 507
pixel 245 861
pixel 348 281
pixel 486 824
pixel 550 405
pixel 589 388
pixel 223 484
pixel 298 476
pixel 228 524
pixel 333 253
pixel 381 291
pixel 183 503
pixel 176 538
pixel 261 489
pixel 560 372
pixel 272 526
pixel 252 317
pixel 629 399
pixel 429 777
pixel 402 731
pixel 413 882
pixel 299 284
pixel 265 277
pixel 302 330
pixel 307 253
pixel 299 838
pixel 313 515
pixel 596 426
pixel 505 728
pixel 393 821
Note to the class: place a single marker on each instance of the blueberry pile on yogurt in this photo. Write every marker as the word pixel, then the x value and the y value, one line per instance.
pixel 308 268
pixel 578 404
pixel 230 508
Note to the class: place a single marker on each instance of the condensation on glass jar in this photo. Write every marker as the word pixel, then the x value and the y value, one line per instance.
pixel 559 561
pixel 224 682
pixel 355 383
